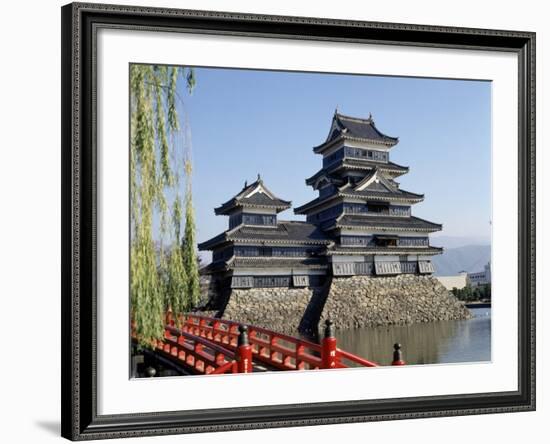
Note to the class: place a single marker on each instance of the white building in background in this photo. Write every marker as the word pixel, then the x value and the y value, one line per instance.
pixel 449 282
pixel 481 277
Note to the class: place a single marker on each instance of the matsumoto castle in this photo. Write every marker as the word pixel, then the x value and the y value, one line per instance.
pixel 359 224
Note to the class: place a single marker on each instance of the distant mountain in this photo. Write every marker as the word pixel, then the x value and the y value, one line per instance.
pixel 469 258
pixel 458 241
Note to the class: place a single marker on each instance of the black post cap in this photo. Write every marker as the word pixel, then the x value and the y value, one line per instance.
pixel 397 354
pixel 329 329
pixel 243 335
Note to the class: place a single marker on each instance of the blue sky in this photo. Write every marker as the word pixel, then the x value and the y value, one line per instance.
pixel 245 122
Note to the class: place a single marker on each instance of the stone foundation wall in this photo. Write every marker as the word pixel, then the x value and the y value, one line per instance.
pixel 279 309
pixel 353 302
pixel 362 301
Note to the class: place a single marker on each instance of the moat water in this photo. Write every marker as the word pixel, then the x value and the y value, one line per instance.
pixel 424 343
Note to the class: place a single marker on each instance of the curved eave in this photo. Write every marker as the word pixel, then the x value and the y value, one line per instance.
pixel 273 262
pixel 383 228
pixel 212 243
pixel 276 242
pixel 352 251
pixel 343 120
pixel 311 180
pixel 220 239
pixel 319 149
pixel 214 267
pixel 411 198
pixel 408 198
pixel 395 169
pixel 313 204
pixel 318 175
pixel 224 210
pixel 428 227
pixel 295 267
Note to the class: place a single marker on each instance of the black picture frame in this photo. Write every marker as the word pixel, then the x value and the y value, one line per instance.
pixel 79 386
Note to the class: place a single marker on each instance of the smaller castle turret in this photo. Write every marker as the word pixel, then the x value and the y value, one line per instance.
pixel 258 250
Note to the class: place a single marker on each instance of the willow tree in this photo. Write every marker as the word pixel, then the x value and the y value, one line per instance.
pixel 155 281
pixel 176 298
pixel 189 256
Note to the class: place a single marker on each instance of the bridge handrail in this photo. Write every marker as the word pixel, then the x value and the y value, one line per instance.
pixel 177 332
pixel 299 354
pixel 228 367
pixel 263 330
pixel 354 358
pixel 213 346
pixel 194 355
pixel 282 336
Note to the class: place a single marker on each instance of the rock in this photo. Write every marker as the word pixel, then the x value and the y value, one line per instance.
pixel 278 309
pixel 363 301
pixel 352 302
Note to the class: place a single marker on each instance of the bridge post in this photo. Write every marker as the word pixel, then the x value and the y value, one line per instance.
pixel 170 318
pixel 329 356
pixel 244 351
pixel 397 355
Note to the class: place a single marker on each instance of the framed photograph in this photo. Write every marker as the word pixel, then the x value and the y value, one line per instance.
pixel 275 221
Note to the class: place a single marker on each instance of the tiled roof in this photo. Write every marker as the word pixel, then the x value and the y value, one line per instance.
pixel 213 267
pixel 311 263
pixel 382 195
pixel 361 128
pixel 254 195
pixel 386 222
pixel 360 164
pixel 295 232
pixel 291 230
pixel 384 250
pixel 366 194
pixel 262 262
pixel 356 128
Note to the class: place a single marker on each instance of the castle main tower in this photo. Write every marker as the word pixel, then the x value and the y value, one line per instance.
pixel 362 208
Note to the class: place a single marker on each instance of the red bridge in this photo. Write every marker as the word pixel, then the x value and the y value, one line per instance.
pixel 210 346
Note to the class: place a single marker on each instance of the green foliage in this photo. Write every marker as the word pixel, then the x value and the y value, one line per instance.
pixel 176 298
pixel 470 294
pixel 158 279
pixel 189 256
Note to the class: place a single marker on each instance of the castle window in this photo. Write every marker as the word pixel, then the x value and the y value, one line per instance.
pixel 259 219
pixel 242 282
pixel 413 242
pixel 355 241
pixel 271 281
pixel 300 281
pixel 382 208
pixel 265 251
pixel 386 241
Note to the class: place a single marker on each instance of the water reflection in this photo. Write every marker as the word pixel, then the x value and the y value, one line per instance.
pixel 424 343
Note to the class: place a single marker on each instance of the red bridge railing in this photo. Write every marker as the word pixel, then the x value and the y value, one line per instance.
pixel 214 346
pixel 192 352
pixel 275 349
pixel 204 356
pixel 201 355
